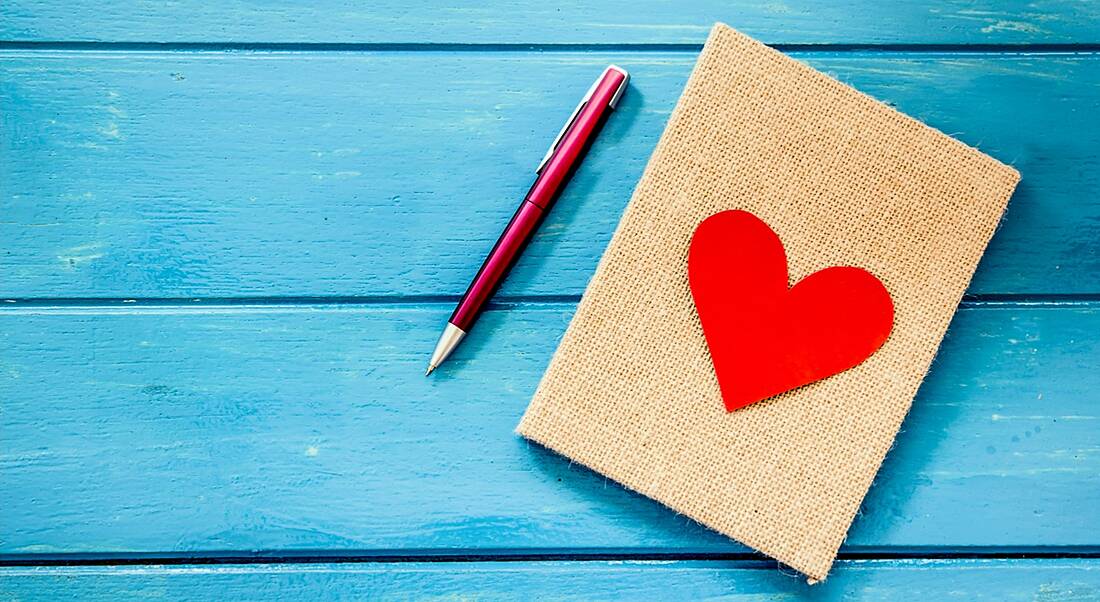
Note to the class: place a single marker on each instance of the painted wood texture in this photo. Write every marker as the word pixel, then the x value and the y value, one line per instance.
pixel 204 154
pixel 319 174
pixel 967 580
pixel 554 22
pixel 168 429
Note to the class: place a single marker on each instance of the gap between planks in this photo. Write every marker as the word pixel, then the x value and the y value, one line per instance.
pixel 750 559
pixel 505 302
pixel 223 47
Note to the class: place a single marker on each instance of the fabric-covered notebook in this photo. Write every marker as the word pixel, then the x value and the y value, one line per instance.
pixel 843 180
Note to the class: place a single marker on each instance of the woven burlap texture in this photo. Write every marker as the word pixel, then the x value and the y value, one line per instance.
pixel 843 180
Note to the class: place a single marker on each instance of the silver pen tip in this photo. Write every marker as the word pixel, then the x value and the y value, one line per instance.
pixel 447 341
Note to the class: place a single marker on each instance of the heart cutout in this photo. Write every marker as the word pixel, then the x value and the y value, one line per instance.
pixel 764 337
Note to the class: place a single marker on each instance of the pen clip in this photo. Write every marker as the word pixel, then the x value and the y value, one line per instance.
pixel 565 128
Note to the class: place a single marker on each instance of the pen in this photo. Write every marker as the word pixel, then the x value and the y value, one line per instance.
pixel 554 170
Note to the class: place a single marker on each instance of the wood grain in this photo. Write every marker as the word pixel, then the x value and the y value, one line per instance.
pixel 368 153
pixel 318 174
pixel 554 22
pixel 176 429
pixel 994 580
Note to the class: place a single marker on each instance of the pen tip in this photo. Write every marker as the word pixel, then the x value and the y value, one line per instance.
pixel 429 371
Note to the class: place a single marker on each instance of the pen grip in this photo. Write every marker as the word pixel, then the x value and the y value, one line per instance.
pixel 496 266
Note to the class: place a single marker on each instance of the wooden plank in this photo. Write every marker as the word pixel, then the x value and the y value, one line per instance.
pixel 554 22
pixel 162 429
pixel 320 174
pixel 996 580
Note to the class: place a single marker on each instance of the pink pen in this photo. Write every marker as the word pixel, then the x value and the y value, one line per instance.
pixel 553 172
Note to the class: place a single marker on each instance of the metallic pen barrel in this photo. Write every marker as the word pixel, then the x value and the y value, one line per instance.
pixel 504 254
pixel 554 171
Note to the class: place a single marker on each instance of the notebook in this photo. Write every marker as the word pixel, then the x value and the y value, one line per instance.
pixel 843 180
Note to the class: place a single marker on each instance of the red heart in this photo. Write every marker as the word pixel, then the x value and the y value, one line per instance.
pixel 764 338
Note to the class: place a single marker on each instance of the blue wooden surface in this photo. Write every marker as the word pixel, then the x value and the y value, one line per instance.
pixel 965 581
pixel 553 21
pixel 324 165
pixel 231 234
pixel 313 427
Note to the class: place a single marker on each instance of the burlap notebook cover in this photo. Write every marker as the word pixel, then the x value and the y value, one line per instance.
pixel 843 180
